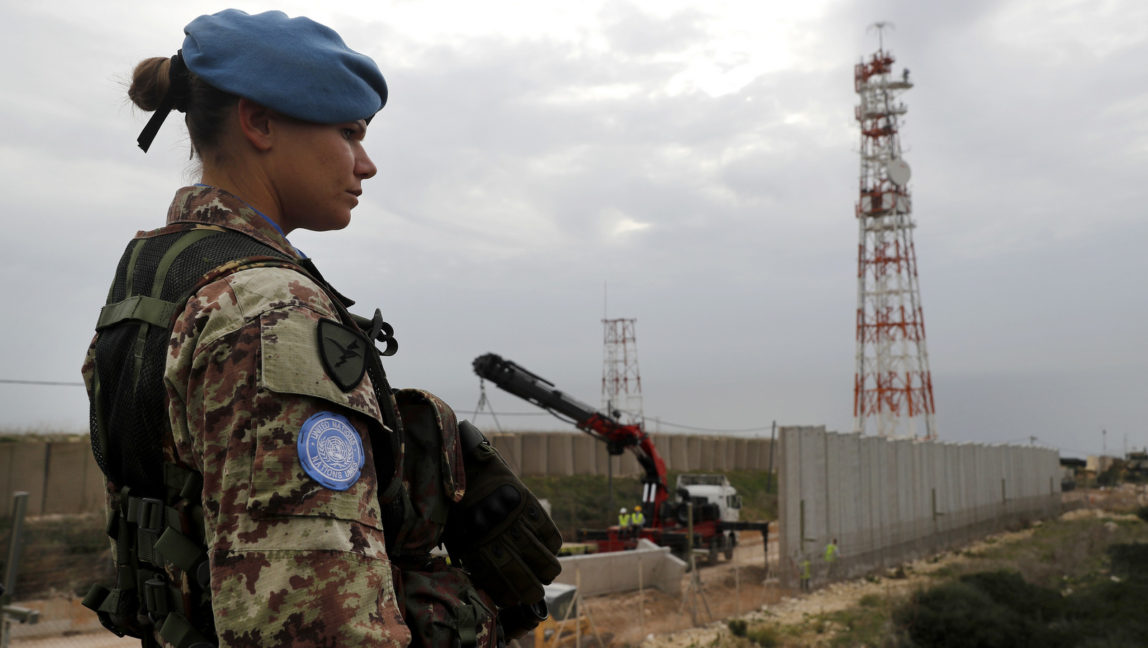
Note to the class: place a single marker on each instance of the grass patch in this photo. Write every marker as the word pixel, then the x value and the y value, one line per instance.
pixel 766 636
pixel 1072 583
pixel 1069 582
pixel 62 554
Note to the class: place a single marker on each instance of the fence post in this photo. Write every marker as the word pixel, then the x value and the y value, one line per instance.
pixel 8 589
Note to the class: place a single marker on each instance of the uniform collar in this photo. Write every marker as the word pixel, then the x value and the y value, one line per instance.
pixel 214 206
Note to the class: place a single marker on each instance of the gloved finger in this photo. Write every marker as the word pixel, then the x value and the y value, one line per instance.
pixel 537 556
pixel 542 526
pixel 506 576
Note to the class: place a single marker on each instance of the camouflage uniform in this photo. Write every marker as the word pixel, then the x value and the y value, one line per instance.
pixel 292 562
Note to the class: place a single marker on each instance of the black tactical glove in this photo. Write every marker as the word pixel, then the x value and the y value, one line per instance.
pixel 499 531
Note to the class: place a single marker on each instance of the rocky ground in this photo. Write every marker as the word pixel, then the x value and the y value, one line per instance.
pixel 713 594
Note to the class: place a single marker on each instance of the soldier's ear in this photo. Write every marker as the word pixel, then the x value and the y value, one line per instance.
pixel 256 123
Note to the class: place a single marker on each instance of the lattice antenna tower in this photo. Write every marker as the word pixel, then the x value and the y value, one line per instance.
pixel 893 388
pixel 621 380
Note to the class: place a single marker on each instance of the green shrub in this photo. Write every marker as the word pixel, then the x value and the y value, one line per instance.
pixel 737 627
pixel 765 636
pixel 963 613
pixel 1008 589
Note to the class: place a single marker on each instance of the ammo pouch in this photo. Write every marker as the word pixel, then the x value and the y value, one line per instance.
pixel 454 481
pixel 441 606
pixel 499 531
pixel 162 576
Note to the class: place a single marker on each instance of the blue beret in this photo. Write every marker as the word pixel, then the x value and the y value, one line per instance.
pixel 293 65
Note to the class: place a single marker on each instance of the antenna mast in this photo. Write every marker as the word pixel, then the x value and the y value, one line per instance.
pixel 893 388
pixel 621 380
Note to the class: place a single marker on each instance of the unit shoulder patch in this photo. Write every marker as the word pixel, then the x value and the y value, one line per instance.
pixel 343 351
pixel 330 450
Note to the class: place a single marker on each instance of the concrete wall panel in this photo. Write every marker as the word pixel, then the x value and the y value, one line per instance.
pixel 888 501
pixel 678 455
pixel 585 458
pixel 26 465
pixel 510 447
pixel 64 480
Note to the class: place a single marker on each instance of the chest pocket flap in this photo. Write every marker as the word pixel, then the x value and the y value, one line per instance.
pixel 291 362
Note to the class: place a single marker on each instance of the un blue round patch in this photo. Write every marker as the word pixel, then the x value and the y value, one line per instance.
pixel 330 450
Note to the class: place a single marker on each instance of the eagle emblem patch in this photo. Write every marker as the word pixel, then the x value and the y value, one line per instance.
pixel 343 351
pixel 331 451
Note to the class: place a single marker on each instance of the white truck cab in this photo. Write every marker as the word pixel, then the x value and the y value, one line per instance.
pixel 712 489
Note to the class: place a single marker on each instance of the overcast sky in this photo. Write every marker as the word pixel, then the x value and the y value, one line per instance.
pixel 691 165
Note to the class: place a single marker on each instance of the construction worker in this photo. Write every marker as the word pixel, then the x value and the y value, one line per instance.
pixel 637 521
pixel 804 571
pixel 830 559
pixel 623 522
pixel 638 518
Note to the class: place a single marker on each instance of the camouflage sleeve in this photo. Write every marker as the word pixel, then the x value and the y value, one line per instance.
pixel 292 562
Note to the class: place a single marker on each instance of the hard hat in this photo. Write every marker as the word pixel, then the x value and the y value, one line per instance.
pixel 638 507
pixel 623 510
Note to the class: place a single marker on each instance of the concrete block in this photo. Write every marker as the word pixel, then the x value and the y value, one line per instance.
pixel 93 484
pixel 533 454
pixel 706 462
pixel 559 454
pixel 693 455
pixel 510 447
pixel 617 571
pixel 585 457
pixel 6 488
pixel 739 458
pixel 26 465
pixel 64 479
pixel 678 452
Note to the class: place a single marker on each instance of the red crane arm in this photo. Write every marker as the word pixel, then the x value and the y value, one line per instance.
pixel 517 380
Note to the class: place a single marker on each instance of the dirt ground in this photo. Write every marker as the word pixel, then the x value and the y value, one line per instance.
pixel 714 593
pixel 743 588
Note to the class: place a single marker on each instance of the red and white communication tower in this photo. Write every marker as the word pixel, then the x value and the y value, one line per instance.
pixel 893 389
pixel 621 380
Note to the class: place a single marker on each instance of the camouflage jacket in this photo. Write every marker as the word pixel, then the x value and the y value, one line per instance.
pixel 292 562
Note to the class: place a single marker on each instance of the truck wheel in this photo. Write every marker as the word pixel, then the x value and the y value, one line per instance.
pixel 731 542
pixel 714 549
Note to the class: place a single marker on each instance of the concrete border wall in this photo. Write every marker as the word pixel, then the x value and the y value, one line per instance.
pixel 61 476
pixel 887 501
pixel 577 453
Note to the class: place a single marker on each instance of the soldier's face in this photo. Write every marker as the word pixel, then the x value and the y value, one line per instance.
pixel 320 172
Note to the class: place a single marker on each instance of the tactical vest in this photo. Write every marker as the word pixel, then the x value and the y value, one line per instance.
pixel 155 517
pixel 156 521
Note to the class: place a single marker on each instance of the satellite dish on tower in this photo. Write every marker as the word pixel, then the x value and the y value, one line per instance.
pixel 898 172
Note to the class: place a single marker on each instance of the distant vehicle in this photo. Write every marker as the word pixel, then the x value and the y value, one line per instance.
pixel 715 503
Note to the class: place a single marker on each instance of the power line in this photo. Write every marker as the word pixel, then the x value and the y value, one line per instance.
pixel 46 383
pixel 707 429
pixel 487 411
pixel 660 422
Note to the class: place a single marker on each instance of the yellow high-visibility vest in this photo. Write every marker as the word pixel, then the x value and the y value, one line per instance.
pixel 830 552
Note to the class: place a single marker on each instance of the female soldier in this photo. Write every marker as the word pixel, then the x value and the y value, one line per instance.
pixel 235 406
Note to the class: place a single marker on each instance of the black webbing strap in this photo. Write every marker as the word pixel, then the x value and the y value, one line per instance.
pixel 177 631
pixel 467 626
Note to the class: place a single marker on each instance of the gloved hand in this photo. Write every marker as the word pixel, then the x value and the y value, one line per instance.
pixel 499 531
